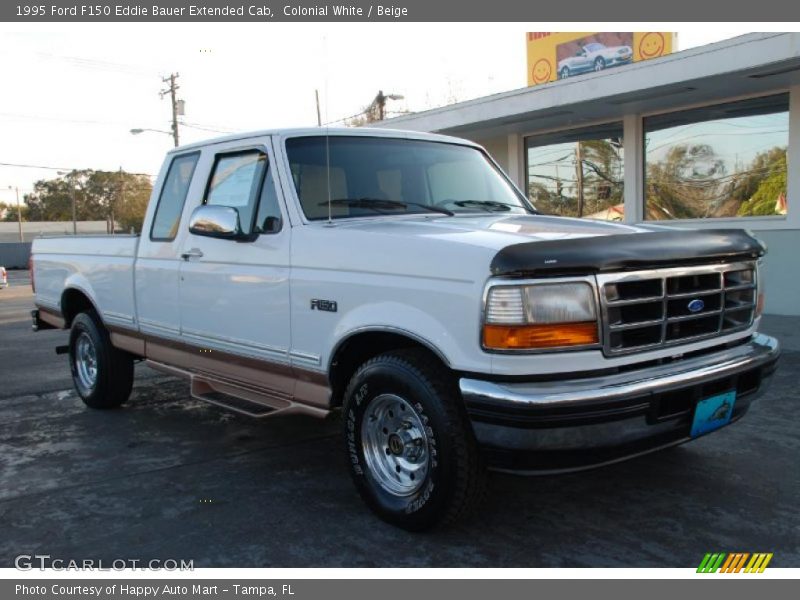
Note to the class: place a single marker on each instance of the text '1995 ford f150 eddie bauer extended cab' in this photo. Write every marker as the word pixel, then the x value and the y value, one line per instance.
pixel 401 279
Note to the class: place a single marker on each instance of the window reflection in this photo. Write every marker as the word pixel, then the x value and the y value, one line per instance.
pixel 721 161
pixel 577 173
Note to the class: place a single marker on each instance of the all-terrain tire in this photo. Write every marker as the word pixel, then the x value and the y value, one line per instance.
pixel 454 482
pixel 102 374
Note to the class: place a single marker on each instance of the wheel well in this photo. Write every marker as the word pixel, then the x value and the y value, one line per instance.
pixel 359 348
pixel 74 302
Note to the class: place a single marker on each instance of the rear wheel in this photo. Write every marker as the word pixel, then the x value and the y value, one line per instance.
pixel 412 454
pixel 102 374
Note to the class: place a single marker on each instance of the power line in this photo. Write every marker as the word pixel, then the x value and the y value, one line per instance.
pixel 24 166
pixel 204 128
pixel 5 164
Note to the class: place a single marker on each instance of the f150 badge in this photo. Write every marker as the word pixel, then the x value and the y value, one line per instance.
pixel 326 305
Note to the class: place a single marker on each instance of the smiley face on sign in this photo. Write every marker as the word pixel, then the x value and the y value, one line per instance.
pixel 652 45
pixel 542 71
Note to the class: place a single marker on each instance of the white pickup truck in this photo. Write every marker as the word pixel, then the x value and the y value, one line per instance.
pixel 401 279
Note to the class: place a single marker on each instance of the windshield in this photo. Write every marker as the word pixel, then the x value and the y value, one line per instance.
pixel 371 176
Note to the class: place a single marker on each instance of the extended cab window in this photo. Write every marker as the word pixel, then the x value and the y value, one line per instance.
pixel 243 181
pixel 173 195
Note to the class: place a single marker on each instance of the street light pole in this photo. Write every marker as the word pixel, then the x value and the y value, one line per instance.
pixel 74 213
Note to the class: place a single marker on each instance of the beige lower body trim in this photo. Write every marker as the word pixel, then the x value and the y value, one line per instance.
pixel 51 317
pixel 284 387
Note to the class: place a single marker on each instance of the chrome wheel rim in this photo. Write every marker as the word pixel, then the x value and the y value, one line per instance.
pixel 86 361
pixel 395 445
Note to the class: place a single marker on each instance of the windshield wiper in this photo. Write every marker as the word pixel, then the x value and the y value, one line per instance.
pixel 489 205
pixel 379 203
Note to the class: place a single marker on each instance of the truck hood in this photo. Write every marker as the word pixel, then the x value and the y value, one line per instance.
pixel 493 230
pixel 536 244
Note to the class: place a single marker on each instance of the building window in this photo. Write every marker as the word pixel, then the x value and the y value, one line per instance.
pixel 727 160
pixel 577 173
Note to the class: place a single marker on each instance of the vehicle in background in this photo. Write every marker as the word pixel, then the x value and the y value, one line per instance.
pixel 401 280
pixel 594 57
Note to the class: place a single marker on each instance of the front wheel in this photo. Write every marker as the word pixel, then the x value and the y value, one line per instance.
pixel 412 454
pixel 102 374
pixel 599 64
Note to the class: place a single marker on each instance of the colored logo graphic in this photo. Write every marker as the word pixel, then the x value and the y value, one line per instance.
pixel 652 45
pixel 696 305
pixel 721 562
pixel 542 71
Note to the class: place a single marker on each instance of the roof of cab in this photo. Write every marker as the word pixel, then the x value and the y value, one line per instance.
pixel 333 131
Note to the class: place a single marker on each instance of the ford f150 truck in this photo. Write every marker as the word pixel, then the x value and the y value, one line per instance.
pixel 402 280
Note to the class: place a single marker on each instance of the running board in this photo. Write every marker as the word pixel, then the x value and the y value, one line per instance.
pixel 239 397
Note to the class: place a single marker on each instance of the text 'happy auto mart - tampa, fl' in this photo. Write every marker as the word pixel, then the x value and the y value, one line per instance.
pixel 153 591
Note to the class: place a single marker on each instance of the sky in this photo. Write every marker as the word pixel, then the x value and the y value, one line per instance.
pixel 71 92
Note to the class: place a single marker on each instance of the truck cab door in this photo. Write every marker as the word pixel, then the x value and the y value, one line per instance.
pixel 157 261
pixel 234 294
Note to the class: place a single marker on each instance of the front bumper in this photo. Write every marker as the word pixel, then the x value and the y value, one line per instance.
pixel 570 424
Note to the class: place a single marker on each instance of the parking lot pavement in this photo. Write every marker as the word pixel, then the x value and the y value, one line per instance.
pixel 169 477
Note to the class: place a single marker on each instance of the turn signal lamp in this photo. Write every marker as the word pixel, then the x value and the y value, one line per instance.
pixel 558 315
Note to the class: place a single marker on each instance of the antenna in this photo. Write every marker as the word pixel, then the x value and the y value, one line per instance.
pixel 327 130
pixel 328 170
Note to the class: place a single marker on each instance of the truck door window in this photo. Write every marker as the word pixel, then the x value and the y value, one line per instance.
pixel 268 218
pixel 173 195
pixel 236 181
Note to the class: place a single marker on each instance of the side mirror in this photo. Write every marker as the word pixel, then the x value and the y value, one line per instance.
pixel 217 222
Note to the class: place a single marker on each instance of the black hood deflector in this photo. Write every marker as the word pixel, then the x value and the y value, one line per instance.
pixel 628 251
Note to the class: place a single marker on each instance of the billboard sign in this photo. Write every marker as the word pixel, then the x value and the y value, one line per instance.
pixel 559 55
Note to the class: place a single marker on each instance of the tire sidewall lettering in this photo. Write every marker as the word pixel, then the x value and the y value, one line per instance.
pixel 365 392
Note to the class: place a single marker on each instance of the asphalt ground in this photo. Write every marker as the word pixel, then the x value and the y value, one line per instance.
pixel 170 477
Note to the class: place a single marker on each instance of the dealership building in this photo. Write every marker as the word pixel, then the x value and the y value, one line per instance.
pixel 704 138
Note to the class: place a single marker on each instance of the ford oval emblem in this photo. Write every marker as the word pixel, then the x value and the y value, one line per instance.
pixel 696 305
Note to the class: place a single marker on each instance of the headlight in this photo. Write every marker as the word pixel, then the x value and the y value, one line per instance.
pixel 548 315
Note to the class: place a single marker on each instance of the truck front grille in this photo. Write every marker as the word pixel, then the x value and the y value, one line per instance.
pixel 645 310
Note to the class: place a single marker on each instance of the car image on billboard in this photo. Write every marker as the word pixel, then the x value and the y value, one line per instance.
pixel 594 53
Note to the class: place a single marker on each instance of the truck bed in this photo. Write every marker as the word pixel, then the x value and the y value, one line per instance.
pixel 100 266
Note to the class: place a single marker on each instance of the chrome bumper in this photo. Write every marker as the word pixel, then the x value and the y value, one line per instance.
pixel 611 417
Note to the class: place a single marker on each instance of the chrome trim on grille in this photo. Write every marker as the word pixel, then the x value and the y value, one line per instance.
pixel 664 328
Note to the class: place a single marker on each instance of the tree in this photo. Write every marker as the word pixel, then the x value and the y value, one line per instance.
pixel 113 196
pixel 765 182
pixel 686 183
pixel 10 212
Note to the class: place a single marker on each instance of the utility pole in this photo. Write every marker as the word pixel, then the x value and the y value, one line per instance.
pixel 19 216
pixel 579 176
pixel 319 115
pixel 380 103
pixel 172 89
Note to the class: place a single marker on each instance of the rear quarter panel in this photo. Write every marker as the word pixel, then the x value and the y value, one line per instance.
pixel 101 267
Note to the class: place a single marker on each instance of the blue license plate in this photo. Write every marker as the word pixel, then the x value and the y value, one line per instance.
pixel 712 413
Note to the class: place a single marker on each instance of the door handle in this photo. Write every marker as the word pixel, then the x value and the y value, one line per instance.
pixel 193 253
